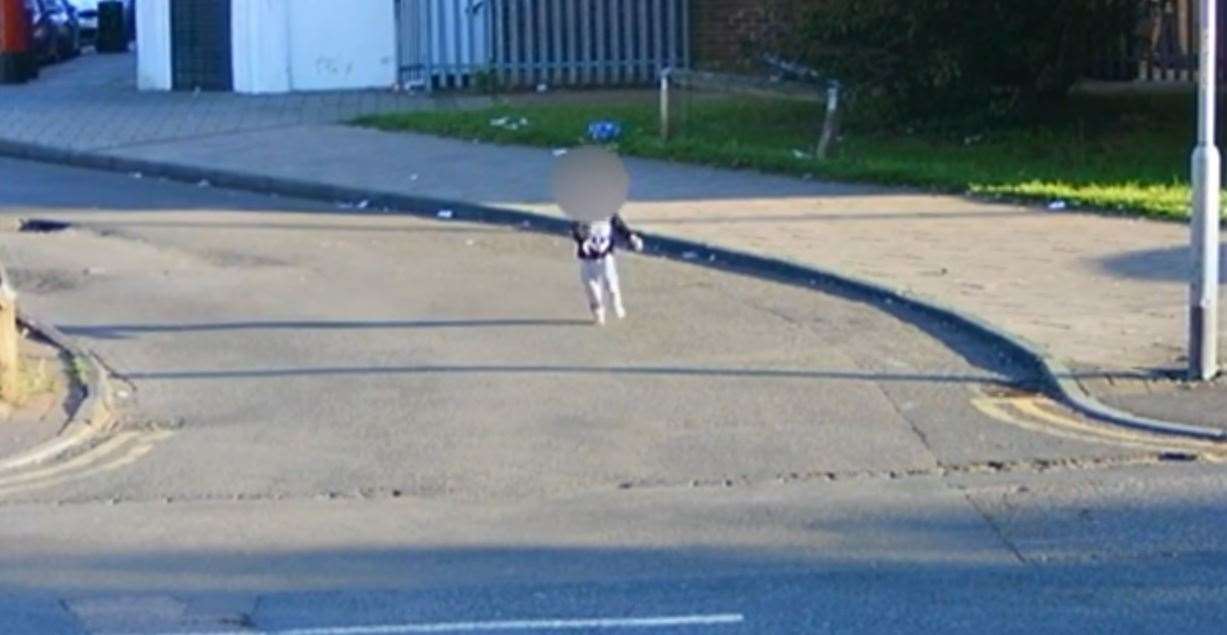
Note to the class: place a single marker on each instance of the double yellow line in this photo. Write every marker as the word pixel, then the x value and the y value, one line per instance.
pixel 1038 414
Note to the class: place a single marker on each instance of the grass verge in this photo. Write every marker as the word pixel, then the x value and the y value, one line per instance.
pixel 1122 153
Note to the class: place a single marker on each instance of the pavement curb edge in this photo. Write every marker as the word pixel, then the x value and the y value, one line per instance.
pixel 96 410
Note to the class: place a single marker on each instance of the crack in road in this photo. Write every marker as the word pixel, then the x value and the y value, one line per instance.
pixel 996 529
pixel 1029 466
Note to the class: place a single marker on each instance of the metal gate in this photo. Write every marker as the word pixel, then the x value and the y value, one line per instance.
pixel 1163 47
pixel 200 45
pixel 525 43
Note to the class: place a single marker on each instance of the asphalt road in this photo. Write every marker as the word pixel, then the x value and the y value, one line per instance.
pixel 341 418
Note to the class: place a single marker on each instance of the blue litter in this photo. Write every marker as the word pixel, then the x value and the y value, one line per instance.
pixel 604 131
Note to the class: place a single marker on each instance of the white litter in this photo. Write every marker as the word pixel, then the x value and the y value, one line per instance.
pixel 560 152
pixel 541 88
pixel 1057 205
pixel 445 213
pixel 203 183
pixel 507 123
pixel 363 204
pixel 690 255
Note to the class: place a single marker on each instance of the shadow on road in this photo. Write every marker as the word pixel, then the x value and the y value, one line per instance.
pixel 664 371
pixel 126 331
pixel 1173 264
pixel 773 592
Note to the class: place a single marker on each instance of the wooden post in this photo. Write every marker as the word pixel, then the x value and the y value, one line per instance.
pixel 10 389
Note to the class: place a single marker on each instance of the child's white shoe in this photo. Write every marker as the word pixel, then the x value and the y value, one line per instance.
pixel 620 311
pixel 598 317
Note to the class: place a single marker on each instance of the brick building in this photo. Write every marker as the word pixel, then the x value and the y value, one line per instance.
pixel 728 32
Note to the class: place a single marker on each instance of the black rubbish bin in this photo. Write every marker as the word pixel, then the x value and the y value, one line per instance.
pixel 112 27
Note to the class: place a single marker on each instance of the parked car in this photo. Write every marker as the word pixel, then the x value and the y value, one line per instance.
pixel 88 11
pixel 55 30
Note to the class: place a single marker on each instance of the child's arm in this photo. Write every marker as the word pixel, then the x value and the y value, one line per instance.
pixel 624 232
pixel 577 234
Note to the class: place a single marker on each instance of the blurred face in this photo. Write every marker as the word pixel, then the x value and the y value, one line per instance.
pixel 590 184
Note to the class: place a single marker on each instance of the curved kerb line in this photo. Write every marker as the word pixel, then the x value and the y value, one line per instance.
pixel 1056 376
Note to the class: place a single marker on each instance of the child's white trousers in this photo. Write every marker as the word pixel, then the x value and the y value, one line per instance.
pixel 601 275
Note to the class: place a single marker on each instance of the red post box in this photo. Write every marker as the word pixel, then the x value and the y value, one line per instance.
pixel 17 63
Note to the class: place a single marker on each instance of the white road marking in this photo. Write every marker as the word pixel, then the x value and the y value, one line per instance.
pixel 47 450
pixel 507 625
pixel 78 462
pixel 131 456
pixel 106 457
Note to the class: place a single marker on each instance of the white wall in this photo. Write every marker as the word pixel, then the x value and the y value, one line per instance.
pixel 319 45
pixel 259 30
pixel 153 70
pixel 337 45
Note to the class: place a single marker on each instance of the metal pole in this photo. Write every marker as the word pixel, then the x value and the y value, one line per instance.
pixel 399 22
pixel 1203 300
pixel 664 105
pixel 830 122
pixel 10 389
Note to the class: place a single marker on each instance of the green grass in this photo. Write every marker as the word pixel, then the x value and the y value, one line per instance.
pixel 1124 153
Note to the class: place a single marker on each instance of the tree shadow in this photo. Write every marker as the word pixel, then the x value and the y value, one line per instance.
pixel 544 369
pixel 128 331
pixel 917 579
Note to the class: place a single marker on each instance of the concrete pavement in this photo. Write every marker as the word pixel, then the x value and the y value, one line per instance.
pixel 1102 295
